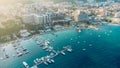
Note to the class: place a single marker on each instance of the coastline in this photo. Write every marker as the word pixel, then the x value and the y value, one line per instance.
pixel 114 24
pixel 31 37
pixel 74 53
pixel 35 35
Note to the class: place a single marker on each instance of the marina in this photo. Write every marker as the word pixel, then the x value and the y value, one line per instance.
pixel 16 48
pixel 49 58
pixel 59 34
pixel 47 51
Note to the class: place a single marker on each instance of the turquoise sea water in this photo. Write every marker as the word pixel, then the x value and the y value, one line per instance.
pixel 91 49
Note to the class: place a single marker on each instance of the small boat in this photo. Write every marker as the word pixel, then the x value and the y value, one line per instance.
pixel 78 29
pixel 39 42
pixel 48 60
pixel 46 44
pixel 35 62
pixel 37 59
pixel 24 49
pixel 26 52
pixel 34 66
pixel 25 65
pixel 45 63
pixel 17 51
pixel 51 54
pixel 42 58
pixel 6 56
pixel 45 47
pixel 69 50
pixel 47 41
pixel 49 48
pixel 62 52
pixel 19 54
pixel 52 60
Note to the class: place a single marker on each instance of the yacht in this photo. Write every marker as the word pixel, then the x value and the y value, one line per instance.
pixel 24 49
pixel 69 50
pixel 5 54
pixel 34 66
pixel 47 41
pixel 49 48
pixel 45 47
pixel 19 54
pixel 35 62
pixel 62 52
pixel 45 63
pixel 48 60
pixel 38 42
pixel 46 44
pixel 78 29
pixel 25 65
pixel 26 52
pixel 52 60
pixel 42 59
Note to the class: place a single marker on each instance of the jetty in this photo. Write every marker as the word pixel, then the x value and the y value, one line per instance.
pixel 49 59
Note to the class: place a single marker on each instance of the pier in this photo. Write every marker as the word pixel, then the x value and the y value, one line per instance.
pixel 49 59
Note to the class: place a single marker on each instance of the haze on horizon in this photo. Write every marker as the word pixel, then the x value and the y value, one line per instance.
pixel 7 2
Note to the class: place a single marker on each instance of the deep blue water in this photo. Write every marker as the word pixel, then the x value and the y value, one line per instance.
pixel 102 49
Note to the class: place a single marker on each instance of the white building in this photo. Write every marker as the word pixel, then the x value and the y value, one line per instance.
pixel 47 19
pixel 38 19
pixel 28 18
pixel 33 19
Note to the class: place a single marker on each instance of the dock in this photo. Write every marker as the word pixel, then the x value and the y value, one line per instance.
pixel 49 59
